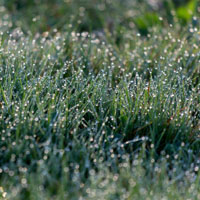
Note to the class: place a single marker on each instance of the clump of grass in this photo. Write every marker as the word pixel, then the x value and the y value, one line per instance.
pixel 96 113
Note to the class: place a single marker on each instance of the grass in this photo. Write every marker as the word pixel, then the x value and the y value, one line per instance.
pixel 100 104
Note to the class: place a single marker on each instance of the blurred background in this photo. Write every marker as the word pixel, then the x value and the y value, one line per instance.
pixel 97 15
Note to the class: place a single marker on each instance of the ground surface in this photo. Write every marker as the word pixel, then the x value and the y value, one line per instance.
pixel 99 100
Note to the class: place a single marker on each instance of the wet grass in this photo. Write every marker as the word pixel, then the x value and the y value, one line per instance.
pixel 103 108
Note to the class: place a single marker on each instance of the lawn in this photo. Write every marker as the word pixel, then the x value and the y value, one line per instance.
pixel 99 99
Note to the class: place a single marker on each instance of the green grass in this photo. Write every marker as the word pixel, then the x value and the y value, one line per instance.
pixel 107 107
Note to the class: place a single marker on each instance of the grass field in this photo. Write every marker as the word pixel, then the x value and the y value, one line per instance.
pixel 99 99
